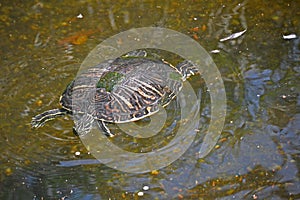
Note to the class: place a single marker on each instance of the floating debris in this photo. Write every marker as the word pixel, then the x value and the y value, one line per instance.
pixel 233 36
pixel 195 36
pixel 8 171
pixel 39 102
pixel 215 51
pixel 140 194
pixel 154 172
pixel 80 16
pixel 37 41
pixel 195 29
pixel 146 187
pixel 289 37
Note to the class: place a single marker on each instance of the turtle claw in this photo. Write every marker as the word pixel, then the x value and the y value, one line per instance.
pixel 35 123
pixel 111 135
pixel 104 128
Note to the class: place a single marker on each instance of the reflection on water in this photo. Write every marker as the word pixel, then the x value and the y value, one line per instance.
pixel 257 156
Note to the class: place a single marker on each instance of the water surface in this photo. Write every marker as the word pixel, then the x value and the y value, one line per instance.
pixel 257 155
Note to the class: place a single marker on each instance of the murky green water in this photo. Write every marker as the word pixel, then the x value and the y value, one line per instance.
pixel 257 156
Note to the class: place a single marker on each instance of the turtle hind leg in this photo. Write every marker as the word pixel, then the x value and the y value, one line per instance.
pixel 187 69
pixel 40 119
pixel 135 54
pixel 103 127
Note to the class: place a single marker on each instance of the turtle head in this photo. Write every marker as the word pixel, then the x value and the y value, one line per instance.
pixel 187 69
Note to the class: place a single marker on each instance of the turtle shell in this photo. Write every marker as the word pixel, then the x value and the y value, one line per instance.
pixel 123 90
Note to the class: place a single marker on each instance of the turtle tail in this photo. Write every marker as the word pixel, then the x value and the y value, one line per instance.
pixel 40 119
pixel 187 69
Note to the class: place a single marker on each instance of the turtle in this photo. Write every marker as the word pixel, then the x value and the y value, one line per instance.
pixel 126 89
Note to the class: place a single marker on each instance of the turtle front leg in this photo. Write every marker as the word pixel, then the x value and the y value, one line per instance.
pixel 40 119
pixel 83 124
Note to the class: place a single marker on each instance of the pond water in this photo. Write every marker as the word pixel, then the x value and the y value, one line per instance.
pixel 257 155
